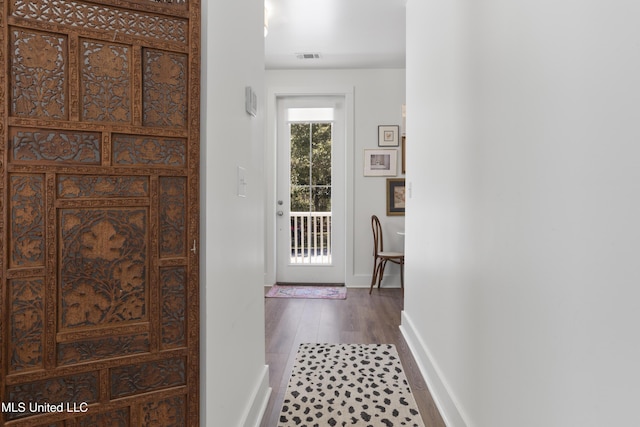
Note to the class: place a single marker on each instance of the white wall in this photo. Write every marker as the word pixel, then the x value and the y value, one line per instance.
pixel 522 272
pixel 233 372
pixel 378 98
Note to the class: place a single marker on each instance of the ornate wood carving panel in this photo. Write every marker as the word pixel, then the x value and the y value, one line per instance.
pixel 105 82
pixel 38 74
pixel 32 146
pixel 99 159
pixel 26 324
pixel 174 307
pixel 116 418
pixel 69 388
pixel 105 17
pixel 103 267
pixel 164 88
pixel 165 413
pixel 26 240
pixel 143 150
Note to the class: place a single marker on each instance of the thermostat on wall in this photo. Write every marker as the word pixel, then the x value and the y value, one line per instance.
pixel 250 101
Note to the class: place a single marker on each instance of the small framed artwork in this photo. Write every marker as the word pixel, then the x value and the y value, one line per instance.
pixel 404 154
pixel 380 162
pixel 388 136
pixel 395 196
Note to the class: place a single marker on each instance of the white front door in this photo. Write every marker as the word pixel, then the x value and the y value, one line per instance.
pixel 310 205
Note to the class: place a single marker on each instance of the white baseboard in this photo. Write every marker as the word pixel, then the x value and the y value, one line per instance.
pixel 442 396
pixel 258 402
pixel 364 281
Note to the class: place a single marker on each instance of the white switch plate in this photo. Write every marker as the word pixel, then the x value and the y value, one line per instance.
pixel 242 182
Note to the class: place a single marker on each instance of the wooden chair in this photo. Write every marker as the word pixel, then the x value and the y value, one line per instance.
pixel 380 257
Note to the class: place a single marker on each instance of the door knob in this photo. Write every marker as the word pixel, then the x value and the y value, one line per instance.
pixel 280 213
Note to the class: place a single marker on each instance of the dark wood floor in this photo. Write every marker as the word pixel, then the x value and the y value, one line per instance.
pixel 361 318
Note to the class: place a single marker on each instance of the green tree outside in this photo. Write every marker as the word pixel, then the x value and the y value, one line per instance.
pixel 310 167
pixel 310 176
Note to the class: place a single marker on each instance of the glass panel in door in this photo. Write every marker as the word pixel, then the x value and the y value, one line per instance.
pixel 310 194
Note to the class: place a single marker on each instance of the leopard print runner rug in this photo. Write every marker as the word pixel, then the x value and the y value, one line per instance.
pixel 348 385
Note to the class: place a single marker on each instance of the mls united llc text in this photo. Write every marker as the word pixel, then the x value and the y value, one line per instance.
pixel 35 407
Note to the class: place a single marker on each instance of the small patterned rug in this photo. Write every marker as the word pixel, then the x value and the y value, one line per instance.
pixel 348 385
pixel 318 292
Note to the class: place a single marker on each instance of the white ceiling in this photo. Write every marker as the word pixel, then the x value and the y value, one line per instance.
pixel 346 34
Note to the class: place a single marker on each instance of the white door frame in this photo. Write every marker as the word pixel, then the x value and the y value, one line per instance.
pixel 347 93
pixel 306 272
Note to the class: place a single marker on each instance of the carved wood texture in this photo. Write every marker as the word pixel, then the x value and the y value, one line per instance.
pixel 99 159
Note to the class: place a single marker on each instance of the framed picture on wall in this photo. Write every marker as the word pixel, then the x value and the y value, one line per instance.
pixel 380 162
pixel 388 136
pixel 404 154
pixel 395 196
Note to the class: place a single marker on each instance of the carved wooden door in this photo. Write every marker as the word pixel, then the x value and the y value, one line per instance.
pixel 99 161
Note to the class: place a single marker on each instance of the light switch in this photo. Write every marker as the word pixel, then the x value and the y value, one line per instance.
pixel 242 182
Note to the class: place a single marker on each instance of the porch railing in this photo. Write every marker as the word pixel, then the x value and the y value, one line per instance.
pixel 310 237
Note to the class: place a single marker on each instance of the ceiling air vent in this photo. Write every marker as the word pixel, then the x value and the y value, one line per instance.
pixel 308 55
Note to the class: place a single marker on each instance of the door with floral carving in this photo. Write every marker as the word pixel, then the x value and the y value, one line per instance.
pixel 99 161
